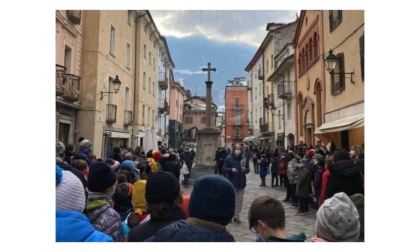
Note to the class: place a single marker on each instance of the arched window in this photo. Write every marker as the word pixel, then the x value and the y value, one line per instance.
pixel 310 51
pixel 315 45
pixel 300 63
pixel 303 60
pixel 307 56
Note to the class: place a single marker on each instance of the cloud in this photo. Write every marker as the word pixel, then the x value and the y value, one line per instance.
pixel 241 26
pixel 189 72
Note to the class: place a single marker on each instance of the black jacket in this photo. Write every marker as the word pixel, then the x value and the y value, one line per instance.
pixel 345 177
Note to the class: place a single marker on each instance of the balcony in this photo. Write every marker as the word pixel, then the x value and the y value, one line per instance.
pixel 111 113
pixel 128 117
pixel 284 89
pixel 163 80
pixel 236 121
pixel 74 16
pixel 269 101
pixel 163 105
pixel 260 74
pixel 67 85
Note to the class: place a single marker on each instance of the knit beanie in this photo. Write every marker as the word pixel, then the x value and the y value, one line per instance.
pixel 212 199
pixel 59 149
pixel 70 194
pixel 161 187
pixel 157 155
pixel 114 164
pixel 127 165
pixel 100 177
pixel 139 195
pixel 84 144
pixel 337 219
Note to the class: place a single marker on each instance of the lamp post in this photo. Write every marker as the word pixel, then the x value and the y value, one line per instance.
pixel 330 63
pixel 116 84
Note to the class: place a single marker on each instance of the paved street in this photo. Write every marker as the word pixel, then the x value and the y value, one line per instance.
pixel 294 224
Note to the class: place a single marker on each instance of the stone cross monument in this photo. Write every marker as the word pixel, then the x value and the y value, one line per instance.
pixel 209 137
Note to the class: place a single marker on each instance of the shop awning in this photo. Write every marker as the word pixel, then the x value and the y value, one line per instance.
pixel 119 135
pixel 347 123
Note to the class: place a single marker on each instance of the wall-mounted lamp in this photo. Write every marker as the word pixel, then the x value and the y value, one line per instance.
pixel 330 63
pixel 116 84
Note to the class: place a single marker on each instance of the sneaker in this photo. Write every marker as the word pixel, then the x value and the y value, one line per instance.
pixel 236 220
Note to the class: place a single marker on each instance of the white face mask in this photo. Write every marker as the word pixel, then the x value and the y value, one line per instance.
pixel 237 152
pixel 352 153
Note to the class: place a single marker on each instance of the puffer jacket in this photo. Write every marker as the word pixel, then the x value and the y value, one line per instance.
pixel 293 169
pixel 304 188
pixel 71 226
pixel 192 231
pixel 345 177
pixel 238 179
pixel 103 217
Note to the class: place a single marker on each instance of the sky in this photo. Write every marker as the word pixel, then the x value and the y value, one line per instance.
pixel 228 39
pixel 28 120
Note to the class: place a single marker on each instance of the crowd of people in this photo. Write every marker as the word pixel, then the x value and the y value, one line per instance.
pixel 136 196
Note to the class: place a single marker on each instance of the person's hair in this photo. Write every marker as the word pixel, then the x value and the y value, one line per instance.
pixel 79 164
pixel 340 154
pixel 163 210
pixel 81 139
pixel 130 177
pixel 121 177
pixel 357 148
pixel 268 210
pixel 69 148
pixel 92 156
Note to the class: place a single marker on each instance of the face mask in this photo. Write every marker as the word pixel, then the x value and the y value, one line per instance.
pixel 90 149
pixel 352 153
pixel 237 152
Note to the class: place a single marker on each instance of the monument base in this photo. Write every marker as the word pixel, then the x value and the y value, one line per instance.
pixel 207 144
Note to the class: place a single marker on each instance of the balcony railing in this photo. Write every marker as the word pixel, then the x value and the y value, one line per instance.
pixel 269 101
pixel 128 117
pixel 163 80
pixel 67 85
pixel 74 16
pixel 284 89
pixel 111 113
pixel 162 105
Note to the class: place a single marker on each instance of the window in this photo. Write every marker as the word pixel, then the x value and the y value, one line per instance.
pixel 266 64
pixel 362 56
pixel 128 56
pixel 303 60
pixel 68 53
pixel 300 62
pixel 112 41
pixel 188 119
pixel 335 19
pixel 289 110
pixel 203 119
pixel 148 116
pixel 129 17
pixel 279 118
pixel 142 114
pixel 310 50
pixel 237 133
pixel 144 51
pixel 272 61
pixel 315 45
pixel 127 98
pixel 144 80
pixel 237 102
pixel 150 58
pixel 338 77
pixel 260 89
pixel 150 85
pixel 153 117
pixel 154 64
pixel 153 86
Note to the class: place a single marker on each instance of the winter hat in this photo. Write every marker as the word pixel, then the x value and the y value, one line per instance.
pixel 59 149
pixel 157 155
pixel 161 186
pixel 123 191
pixel 127 165
pixel 70 194
pixel 337 219
pixel 84 144
pixel 310 152
pixel 114 164
pixel 163 151
pixel 139 195
pixel 212 199
pixel 100 177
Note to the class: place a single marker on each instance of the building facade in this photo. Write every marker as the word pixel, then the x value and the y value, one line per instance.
pixel 69 39
pixel 343 33
pixel 236 111
pixel 177 95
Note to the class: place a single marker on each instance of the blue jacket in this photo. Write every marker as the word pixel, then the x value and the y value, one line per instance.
pixel 71 226
pixel 185 231
pixel 238 179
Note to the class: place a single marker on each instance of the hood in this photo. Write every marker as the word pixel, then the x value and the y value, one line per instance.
pixel 344 168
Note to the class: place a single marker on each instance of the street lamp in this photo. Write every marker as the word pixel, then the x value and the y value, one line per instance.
pixel 330 63
pixel 116 84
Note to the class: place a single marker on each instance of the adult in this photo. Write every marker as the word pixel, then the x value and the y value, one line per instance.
pixel 85 148
pixel 188 157
pixel 236 167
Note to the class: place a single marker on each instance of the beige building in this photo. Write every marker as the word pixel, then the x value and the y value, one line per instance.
pixel 344 106
pixel 194 117
pixel 69 37
pixel 310 76
pixel 124 44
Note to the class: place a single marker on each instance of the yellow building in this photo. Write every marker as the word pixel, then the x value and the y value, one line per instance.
pixel 344 104
pixel 125 44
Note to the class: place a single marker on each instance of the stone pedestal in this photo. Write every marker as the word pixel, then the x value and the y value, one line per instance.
pixel 207 143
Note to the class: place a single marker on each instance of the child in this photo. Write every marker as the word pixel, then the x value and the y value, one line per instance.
pixel 264 163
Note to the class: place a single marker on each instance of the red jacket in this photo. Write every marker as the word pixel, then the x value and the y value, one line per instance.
pixel 325 176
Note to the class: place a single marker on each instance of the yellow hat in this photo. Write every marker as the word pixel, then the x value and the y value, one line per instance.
pixel 138 197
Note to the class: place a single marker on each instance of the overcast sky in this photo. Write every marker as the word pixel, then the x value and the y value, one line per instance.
pixel 241 26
